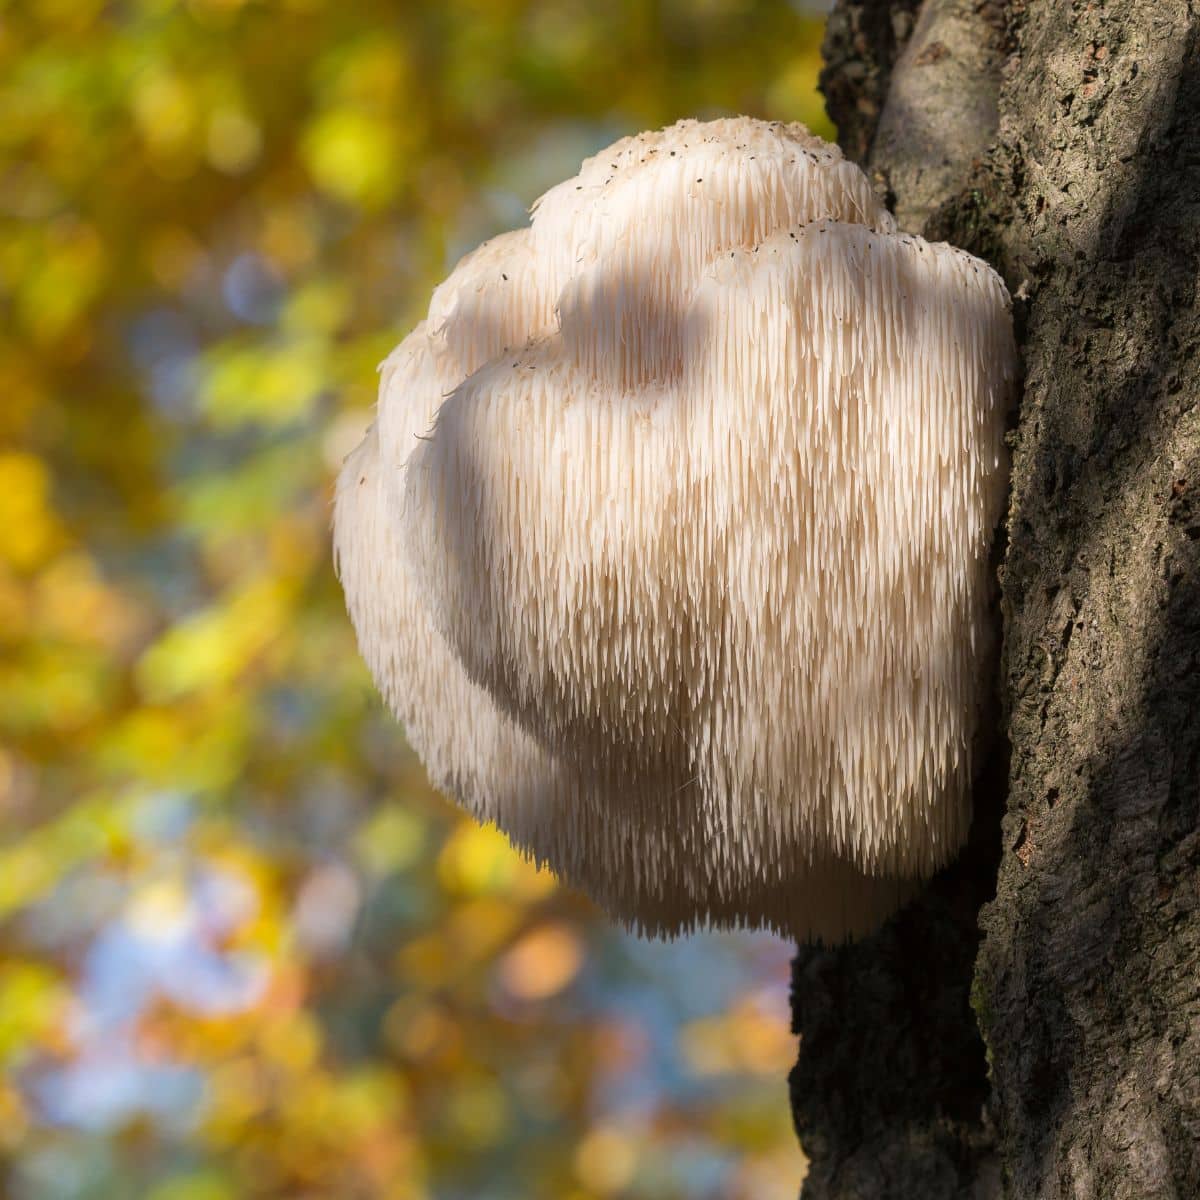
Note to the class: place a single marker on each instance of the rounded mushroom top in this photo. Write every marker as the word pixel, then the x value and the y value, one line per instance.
pixel 670 547
pixel 760 175
pixel 615 253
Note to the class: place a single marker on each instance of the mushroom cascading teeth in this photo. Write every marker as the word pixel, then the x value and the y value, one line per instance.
pixel 673 554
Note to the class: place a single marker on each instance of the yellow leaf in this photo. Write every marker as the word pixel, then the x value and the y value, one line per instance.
pixel 292 1041
pixel 214 646
pixel 392 839
pixel 29 529
pixel 165 109
pixel 606 1160
pixel 233 140
pixel 479 1112
pixel 352 155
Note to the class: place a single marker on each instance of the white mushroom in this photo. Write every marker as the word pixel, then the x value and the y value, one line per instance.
pixel 670 546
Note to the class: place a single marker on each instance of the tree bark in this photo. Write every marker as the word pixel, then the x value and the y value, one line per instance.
pixel 1057 1052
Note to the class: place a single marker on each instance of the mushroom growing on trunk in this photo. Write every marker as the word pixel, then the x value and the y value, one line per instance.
pixel 669 545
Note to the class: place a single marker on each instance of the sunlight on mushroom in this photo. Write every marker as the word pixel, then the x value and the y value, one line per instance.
pixel 669 545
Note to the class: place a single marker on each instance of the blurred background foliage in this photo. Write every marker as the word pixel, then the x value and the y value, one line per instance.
pixel 244 951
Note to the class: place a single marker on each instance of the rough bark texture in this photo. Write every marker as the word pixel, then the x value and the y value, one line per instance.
pixel 863 39
pixel 1086 984
pixel 941 113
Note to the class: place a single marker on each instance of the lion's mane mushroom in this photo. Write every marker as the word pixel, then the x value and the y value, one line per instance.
pixel 669 545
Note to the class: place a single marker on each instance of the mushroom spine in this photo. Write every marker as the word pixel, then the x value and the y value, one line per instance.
pixel 669 544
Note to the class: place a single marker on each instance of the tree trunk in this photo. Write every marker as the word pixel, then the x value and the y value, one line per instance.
pixel 1060 139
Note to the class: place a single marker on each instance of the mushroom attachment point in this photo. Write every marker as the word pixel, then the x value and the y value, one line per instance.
pixel 669 543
